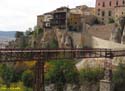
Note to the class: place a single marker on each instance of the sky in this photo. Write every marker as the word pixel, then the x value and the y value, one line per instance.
pixel 19 15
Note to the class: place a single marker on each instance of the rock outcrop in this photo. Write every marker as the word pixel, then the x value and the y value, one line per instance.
pixel 118 33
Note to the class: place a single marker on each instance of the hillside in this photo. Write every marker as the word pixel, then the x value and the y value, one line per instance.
pixel 7 35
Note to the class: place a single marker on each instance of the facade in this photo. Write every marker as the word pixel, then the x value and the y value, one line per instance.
pixel 74 22
pixel 40 21
pixel 65 18
pixel 83 10
pixel 109 9
pixel 119 11
pixel 47 20
pixel 60 17
pixel 105 10
pixel 86 10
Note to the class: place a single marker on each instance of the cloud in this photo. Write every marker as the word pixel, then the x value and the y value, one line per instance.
pixel 19 15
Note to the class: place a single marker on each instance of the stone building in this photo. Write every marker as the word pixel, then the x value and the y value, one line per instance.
pixel 65 18
pixel 60 17
pixel 40 21
pixel 108 10
pixel 74 23
pixel 119 11
pixel 47 20
pixel 83 10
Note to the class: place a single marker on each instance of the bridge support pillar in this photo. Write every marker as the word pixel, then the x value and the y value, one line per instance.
pixel 39 76
pixel 106 85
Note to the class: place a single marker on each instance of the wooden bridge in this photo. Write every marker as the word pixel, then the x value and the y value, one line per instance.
pixel 41 55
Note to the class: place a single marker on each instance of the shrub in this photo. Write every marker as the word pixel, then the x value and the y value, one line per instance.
pixel 61 71
pixel 119 77
pixel 27 78
pixel 6 72
pixel 91 75
pixel 111 20
pixel 53 43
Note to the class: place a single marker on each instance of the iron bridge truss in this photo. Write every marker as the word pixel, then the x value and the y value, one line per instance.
pixel 41 55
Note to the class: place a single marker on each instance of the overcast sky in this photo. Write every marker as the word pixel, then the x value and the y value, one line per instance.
pixel 19 15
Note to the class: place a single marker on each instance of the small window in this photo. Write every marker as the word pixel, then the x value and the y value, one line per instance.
pixel 123 2
pixel 98 14
pixel 98 10
pixel 116 3
pixel 103 4
pixel 110 13
pixel 110 3
pixel 98 4
pixel 103 13
pixel 103 19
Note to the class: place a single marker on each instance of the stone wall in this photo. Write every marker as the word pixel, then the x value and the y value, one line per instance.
pixel 94 42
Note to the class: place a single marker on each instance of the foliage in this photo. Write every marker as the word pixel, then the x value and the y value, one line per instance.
pixel 111 20
pixel 28 32
pixel 15 87
pixel 19 34
pixel 27 78
pixel 53 43
pixel 119 77
pixel 91 75
pixel 61 71
pixel 37 31
pixel 6 72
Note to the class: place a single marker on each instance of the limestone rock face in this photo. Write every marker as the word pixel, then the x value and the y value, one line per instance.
pixel 65 39
pixel 116 35
pixel 50 87
pixel 123 37
pixel 72 87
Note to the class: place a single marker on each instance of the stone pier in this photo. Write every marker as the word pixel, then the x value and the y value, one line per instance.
pixel 106 85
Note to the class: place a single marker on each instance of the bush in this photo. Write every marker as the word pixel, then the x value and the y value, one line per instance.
pixel 119 77
pixel 111 20
pixel 53 43
pixel 61 71
pixel 27 78
pixel 6 72
pixel 91 75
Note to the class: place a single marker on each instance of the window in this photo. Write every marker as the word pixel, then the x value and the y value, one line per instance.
pixel 103 19
pixel 110 3
pixel 123 2
pixel 110 13
pixel 98 10
pixel 103 13
pixel 116 3
pixel 122 13
pixel 98 4
pixel 103 4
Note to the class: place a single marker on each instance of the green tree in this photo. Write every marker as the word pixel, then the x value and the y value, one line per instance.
pixel 27 78
pixel 111 20
pixel 6 73
pixel 53 43
pixel 91 75
pixel 19 34
pixel 37 31
pixel 119 78
pixel 62 71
